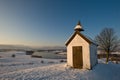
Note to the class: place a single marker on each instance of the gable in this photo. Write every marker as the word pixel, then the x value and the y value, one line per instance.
pixel 72 37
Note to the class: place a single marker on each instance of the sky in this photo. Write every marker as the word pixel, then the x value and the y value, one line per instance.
pixel 52 22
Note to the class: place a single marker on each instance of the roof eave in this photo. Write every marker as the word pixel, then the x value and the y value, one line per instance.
pixel 76 32
pixel 69 40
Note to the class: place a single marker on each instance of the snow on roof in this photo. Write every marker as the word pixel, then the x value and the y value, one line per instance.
pixel 78 27
pixel 91 39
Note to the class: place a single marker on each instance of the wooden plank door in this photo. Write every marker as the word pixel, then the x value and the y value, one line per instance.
pixel 77 57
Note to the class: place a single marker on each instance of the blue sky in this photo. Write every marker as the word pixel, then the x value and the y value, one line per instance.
pixel 51 22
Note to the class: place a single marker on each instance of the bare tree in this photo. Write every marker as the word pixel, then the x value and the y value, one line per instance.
pixel 108 41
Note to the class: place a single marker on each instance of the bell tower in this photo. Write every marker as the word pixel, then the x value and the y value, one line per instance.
pixel 78 27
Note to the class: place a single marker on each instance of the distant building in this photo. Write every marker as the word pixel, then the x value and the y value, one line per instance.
pixel 81 50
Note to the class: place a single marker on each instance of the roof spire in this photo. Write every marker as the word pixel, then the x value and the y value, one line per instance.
pixel 78 27
pixel 79 23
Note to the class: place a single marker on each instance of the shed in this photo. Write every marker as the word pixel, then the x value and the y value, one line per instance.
pixel 81 50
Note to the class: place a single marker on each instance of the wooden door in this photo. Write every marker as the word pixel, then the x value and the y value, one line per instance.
pixel 77 57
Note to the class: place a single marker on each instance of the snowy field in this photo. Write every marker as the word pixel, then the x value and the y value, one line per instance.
pixel 23 67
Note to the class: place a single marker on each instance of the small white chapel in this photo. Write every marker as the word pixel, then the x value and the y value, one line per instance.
pixel 81 50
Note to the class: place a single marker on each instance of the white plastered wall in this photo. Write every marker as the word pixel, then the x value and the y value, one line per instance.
pixel 79 41
pixel 93 54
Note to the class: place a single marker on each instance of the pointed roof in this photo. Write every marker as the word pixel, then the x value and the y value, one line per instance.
pixel 78 27
pixel 87 39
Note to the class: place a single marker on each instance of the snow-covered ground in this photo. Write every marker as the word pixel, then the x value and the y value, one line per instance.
pixel 23 67
pixel 21 61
